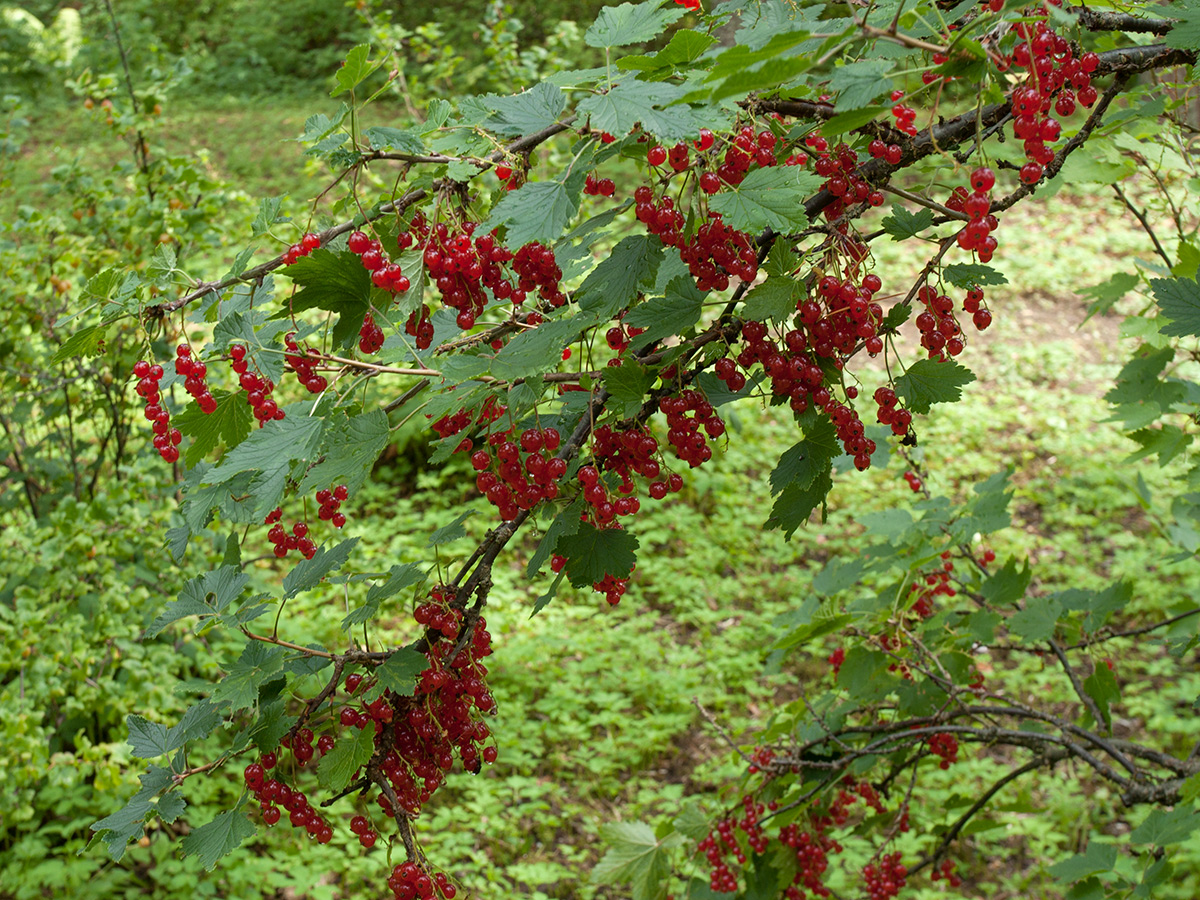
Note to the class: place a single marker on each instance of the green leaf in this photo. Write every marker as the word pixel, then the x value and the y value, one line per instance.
pixel 628 384
pixel 774 299
pixel 400 671
pixel 693 822
pixel 615 282
pixel 240 687
pixel 1179 300
pixel 85 342
pixel 148 739
pixel 333 280
pixel 384 138
pixel 896 316
pixel 223 586
pixel 1008 585
pixel 636 856
pixel 1164 828
pixel 268 216
pixel 354 70
pixel 685 47
pixel 399 578
pixel 619 26
pixel 795 504
pixel 308 573
pixel 272 724
pixel 674 313
pixel 349 754
pixel 1098 859
pixel 218 838
pixel 1102 687
pixel 967 275
pixel 927 382
pixel 1037 621
pixel 767 198
pixel 902 224
pixel 544 600
pixel 802 463
pixel 526 112
pixel 859 83
pixel 838 574
pixel 1105 295
pixel 848 121
pixel 631 102
pixel 538 211
pixel 1167 441
pixel 565 523
pixel 454 531
pixel 351 448
pixel 594 552
pixel 228 424
pixel 125 825
pixel 271 449
pixel 1185 35
pixel 538 349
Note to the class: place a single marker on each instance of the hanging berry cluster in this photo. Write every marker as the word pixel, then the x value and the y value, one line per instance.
pixel 385 274
pixel 513 482
pixel 691 420
pixel 194 372
pixel 166 439
pixel 977 234
pixel 303 363
pixel 307 245
pixel 258 388
pixel 945 747
pixel 936 584
pixel 331 502
pixel 284 541
pixel 409 881
pixel 271 793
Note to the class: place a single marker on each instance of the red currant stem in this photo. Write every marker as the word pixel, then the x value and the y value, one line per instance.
pixel 314 703
pixel 925 201
pixel 896 37
pixel 279 642
pixel 716 725
pixel 1072 145
pixel 1084 697
pixel 1141 217
pixel 393 405
pixel 179 777
pixel 435 158
pixel 1049 758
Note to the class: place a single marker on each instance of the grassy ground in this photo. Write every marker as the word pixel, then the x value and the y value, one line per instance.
pixel 596 717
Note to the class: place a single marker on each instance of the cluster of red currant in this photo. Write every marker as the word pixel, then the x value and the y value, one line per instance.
pixel 946 871
pixel 599 187
pixel 370 335
pixel 284 542
pixel 331 502
pixel 272 793
pixel 385 274
pixel 890 414
pixel 303 363
pixel 716 252
pixel 933 585
pixel 836 659
pixel 905 115
pixel 1056 79
pixel 512 482
pixel 307 245
pixel 893 153
pixel 885 880
pixel 361 827
pixel 166 439
pixel 409 881
pixel 945 747
pixel 839 168
pixel 194 372
pixel 977 235
pixel 691 420
pixel 258 389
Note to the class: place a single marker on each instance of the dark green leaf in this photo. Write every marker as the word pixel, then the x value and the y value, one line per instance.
pixel 1163 828
pixel 627 384
pixel 384 138
pixel 927 382
pixel 636 856
pixel 802 463
pixel 632 102
pixel 527 112
pixel 795 504
pixel 205 596
pixel 538 349
pixel 1037 621
pixel 967 275
pixel 544 600
pixel 565 523
pixel 1185 35
pixel 1179 300
pixel 1102 687
pixel 859 83
pixel 902 224
pixel 451 532
pixel 148 739
pixel 685 47
pixel 123 826
pixel 218 838
pixel 351 448
pixel 268 216
pixel 594 552
pixel 848 121
pixel 352 751
pixel 228 424
pixel 1106 294
pixel 1098 859
pixel 400 671
pixel 240 687
pixel 668 315
pixel 538 211
pixel 308 573
pixel 614 283
pixel 1008 585
pixel 767 198
pixel 619 26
